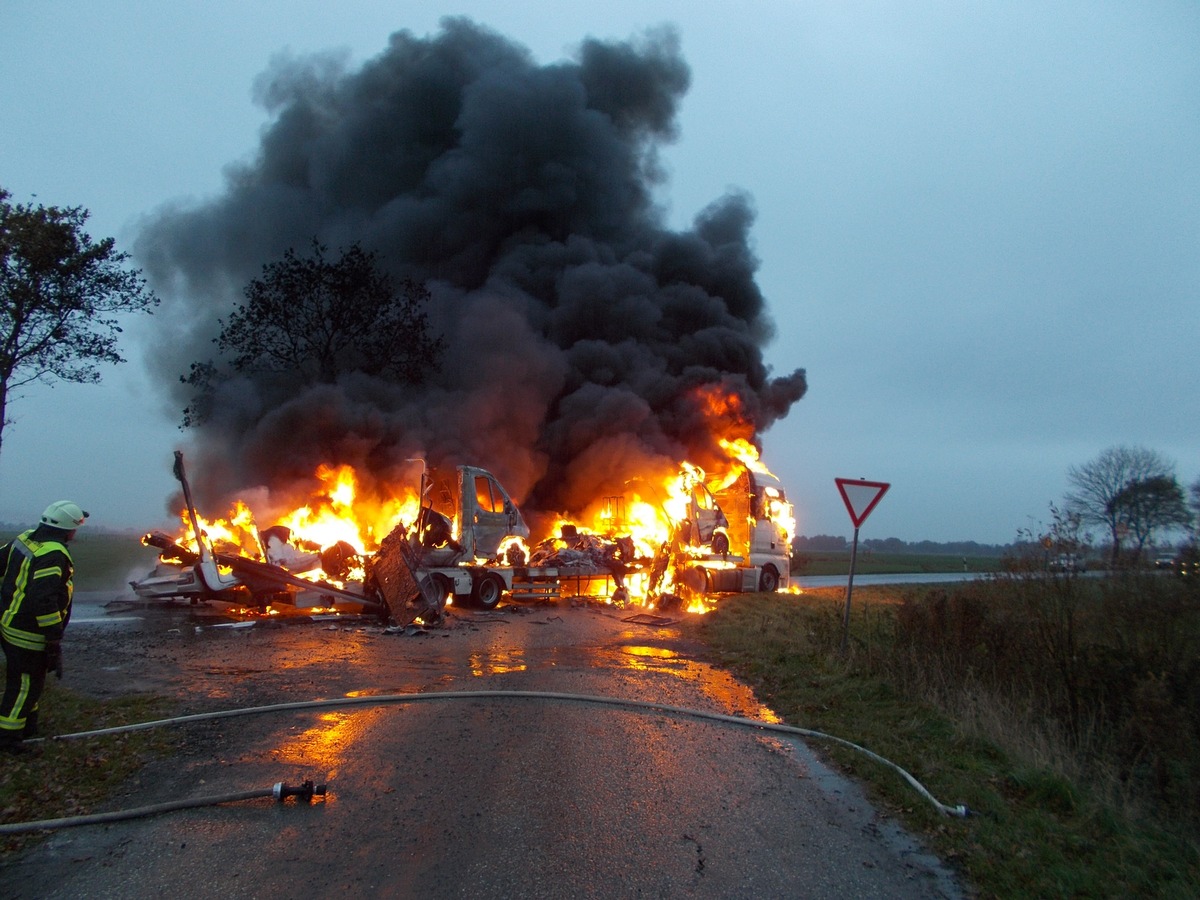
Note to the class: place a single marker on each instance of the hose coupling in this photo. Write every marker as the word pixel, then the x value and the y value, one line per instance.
pixel 305 791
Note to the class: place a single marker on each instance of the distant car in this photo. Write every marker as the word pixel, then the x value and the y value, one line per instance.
pixel 1187 563
pixel 1068 562
pixel 1164 562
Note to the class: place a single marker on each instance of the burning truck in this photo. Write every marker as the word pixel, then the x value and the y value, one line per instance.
pixel 459 538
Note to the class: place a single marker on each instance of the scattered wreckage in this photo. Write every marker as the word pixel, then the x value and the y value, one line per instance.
pixel 467 547
pixel 390 588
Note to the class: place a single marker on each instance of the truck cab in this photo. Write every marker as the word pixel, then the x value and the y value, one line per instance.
pixel 759 519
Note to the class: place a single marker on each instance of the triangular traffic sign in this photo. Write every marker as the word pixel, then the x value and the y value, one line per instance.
pixel 860 496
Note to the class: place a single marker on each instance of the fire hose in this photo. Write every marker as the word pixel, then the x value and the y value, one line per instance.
pixel 280 792
pixel 960 811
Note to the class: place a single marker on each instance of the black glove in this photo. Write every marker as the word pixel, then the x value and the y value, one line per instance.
pixel 54 658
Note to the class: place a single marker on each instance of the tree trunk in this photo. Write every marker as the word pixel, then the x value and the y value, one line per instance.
pixel 3 409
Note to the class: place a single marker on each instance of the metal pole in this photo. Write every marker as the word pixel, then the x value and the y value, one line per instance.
pixel 849 590
pixel 201 547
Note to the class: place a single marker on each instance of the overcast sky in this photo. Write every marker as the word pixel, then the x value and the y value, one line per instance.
pixel 978 223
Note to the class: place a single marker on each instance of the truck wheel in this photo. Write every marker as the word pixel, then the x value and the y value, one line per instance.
pixel 768 581
pixel 720 543
pixel 487 590
pixel 694 582
pixel 436 591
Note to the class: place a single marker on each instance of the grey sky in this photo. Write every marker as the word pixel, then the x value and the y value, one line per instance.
pixel 978 224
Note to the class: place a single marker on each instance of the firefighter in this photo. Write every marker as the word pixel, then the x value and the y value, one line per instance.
pixel 35 606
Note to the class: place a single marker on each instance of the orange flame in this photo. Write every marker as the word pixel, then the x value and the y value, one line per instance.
pixel 334 512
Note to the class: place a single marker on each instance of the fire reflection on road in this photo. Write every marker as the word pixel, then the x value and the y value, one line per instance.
pixel 498 662
pixel 720 686
pixel 322 744
pixel 643 657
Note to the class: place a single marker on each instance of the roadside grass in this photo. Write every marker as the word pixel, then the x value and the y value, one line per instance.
pixel 1051 816
pixel 57 779
pixel 808 562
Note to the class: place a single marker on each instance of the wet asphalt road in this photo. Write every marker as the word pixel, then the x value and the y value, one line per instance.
pixel 496 797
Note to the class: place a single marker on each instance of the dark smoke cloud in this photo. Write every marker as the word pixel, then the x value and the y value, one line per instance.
pixel 583 336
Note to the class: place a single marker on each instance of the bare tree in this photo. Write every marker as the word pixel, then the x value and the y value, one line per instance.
pixel 310 320
pixel 1100 490
pixel 1152 504
pixel 1194 506
pixel 61 294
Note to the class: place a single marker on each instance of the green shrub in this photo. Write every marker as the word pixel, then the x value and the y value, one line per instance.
pixel 1112 666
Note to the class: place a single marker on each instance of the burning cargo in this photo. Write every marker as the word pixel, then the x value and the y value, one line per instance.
pixel 760 525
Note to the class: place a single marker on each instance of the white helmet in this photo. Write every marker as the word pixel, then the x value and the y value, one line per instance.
pixel 64 514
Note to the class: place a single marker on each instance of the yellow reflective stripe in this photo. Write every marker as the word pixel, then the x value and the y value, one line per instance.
pixel 50 619
pixel 14 605
pixel 56 571
pixel 26 639
pixel 28 551
pixel 12 723
pixel 19 590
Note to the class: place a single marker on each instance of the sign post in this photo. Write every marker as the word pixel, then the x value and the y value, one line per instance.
pixel 861 497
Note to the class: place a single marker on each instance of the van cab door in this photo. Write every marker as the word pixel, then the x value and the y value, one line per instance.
pixel 488 513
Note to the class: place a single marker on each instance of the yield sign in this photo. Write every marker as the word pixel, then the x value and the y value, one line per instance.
pixel 860 497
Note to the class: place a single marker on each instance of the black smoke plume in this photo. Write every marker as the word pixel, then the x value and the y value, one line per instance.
pixel 586 341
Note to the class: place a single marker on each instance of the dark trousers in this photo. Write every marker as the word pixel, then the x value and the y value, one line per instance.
pixel 24 679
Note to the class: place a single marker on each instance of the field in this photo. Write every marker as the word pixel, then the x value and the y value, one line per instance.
pixel 107 561
pixel 104 560
pixel 871 563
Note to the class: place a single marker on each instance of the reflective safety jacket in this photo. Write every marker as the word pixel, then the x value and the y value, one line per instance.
pixel 35 591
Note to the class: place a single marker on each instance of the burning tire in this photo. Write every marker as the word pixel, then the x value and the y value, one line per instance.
pixel 487 590
pixel 768 581
pixel 694 582
pixel 720 543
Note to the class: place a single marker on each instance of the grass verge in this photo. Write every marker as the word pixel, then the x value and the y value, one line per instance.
pixel 35 785
pixel 1034 832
